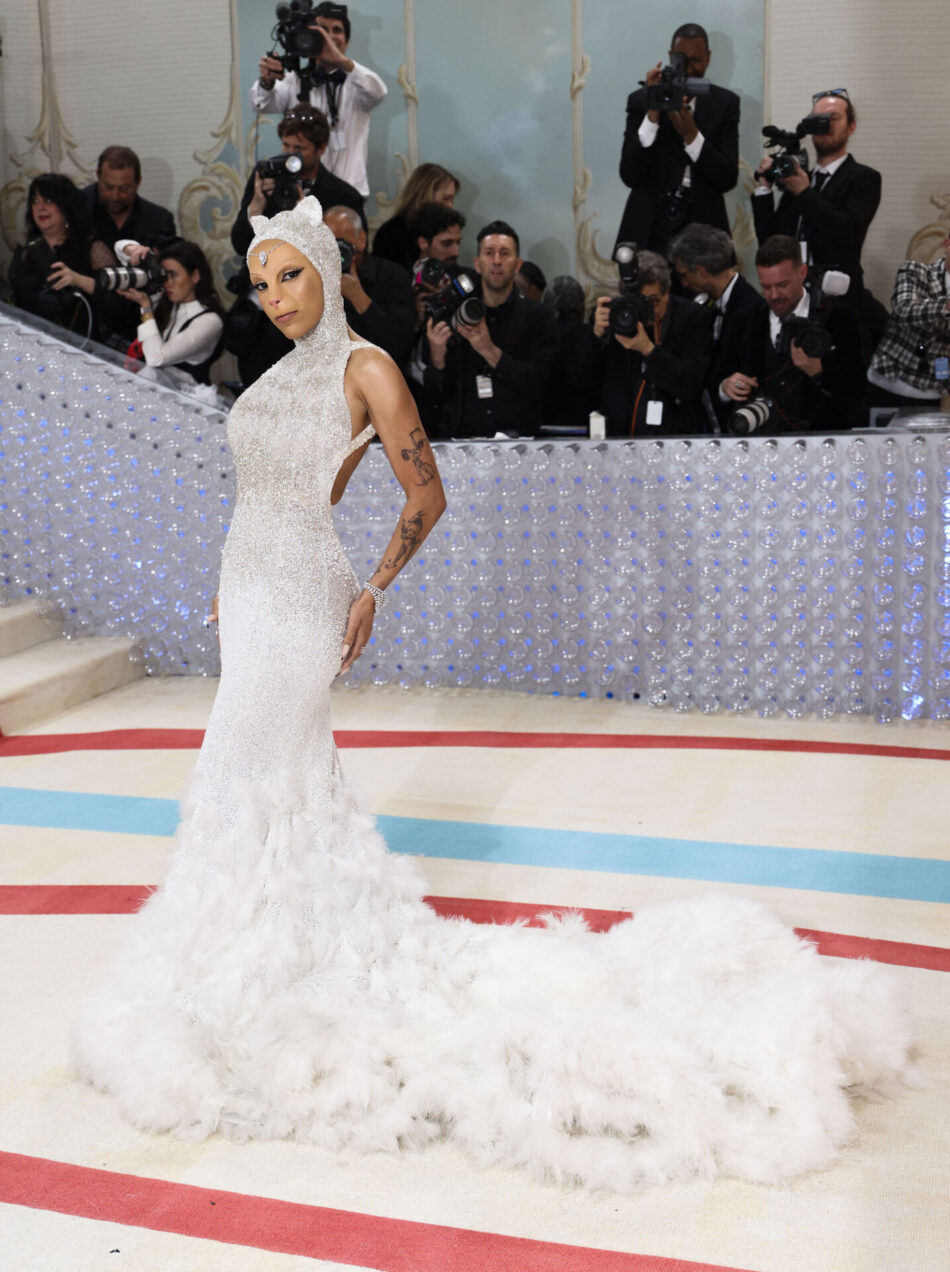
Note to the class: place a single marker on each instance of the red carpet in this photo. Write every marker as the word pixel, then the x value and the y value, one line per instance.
pixel 53 899
pixel 348 739
pixel 264 1223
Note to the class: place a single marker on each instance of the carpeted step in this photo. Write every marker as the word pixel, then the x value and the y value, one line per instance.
pixel 24 624
pixel 57 674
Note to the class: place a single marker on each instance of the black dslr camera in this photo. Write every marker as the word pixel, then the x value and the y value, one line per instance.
pixel 283 169
pixel 629 308
pixel 347 252
pixel 674 86
pixel 456 301
pixel 787 146
pixel 147 277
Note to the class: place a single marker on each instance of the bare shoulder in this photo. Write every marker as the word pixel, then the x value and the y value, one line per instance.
pixel 371 365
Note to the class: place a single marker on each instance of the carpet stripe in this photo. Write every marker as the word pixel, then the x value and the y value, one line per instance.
pixel 53 899
pixel 190 739
pixel 808 869
pixel 285 1227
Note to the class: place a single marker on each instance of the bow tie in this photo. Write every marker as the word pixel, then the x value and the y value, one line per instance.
pixel 320 76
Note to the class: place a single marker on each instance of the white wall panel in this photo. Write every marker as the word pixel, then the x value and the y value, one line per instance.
pixel 890 58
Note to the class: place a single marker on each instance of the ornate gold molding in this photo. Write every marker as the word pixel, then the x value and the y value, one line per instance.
pixel 407 82
pixel 927 243
pixel 220 180
pixel 592 269
pixel 50 138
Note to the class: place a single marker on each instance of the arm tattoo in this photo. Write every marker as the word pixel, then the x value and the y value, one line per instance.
pixel 414 453
pixel 410 530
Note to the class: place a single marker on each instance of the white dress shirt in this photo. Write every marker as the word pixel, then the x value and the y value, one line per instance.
pixel 168 348
pixel 345 156
pixel 648 130
pixel 800 311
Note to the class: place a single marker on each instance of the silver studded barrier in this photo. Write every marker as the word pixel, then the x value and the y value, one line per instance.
pixel 781 576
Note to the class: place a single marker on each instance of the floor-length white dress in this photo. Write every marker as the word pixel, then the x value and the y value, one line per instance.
pixel 288 980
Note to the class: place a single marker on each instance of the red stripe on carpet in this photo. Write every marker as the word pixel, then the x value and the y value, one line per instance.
pixel 349 739
pixel 284 1227
pixel 127 898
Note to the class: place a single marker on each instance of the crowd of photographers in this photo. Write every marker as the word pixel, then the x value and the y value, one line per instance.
pixel 688 346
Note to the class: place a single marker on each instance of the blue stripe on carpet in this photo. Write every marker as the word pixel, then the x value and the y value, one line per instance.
pixel 854 873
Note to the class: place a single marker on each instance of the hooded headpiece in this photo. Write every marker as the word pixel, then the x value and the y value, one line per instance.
pixel 303 228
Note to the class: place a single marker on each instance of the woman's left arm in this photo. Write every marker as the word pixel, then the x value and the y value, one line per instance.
pixel 390 407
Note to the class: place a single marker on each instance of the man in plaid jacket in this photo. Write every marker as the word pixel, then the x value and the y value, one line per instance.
pixel 911 365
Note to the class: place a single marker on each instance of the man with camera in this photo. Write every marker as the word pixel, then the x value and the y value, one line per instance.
pixel 342 89
pixel 796 365
pixel 118 212
pixel 911 365
pixel 828 210
pixel 655 352
pixel 704 259
pixel 437 233
pixel 377 294
pixel 272 187
pixel 681 146
pixel 489 362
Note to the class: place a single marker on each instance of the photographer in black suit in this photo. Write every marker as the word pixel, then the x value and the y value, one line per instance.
pixel 828 210
pixel 377 294
pixel 679 163
pixel 704 259
pixel 769 361
pixel 652 382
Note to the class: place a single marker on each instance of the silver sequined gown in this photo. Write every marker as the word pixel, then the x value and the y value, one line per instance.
pixel 288 980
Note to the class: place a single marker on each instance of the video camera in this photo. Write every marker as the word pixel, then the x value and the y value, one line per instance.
pixel 455 301
pixel 283 169
pixel 629 308
pixel 787 147
pixel 297 32
pixel 674 86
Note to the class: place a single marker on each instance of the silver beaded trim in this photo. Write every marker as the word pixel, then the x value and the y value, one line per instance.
pixel 377 593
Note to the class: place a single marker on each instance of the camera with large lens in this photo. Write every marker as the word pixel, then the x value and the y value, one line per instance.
pixel 811 334
pixel 674 87
pixel 429 273
pixel 629 308
pixel 749 417
pixel 787 147
pixel 147 277
pixel 456 302
pixel 295 31
pixel 283 169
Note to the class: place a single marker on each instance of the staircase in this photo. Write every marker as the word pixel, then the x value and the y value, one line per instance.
pixel 41 673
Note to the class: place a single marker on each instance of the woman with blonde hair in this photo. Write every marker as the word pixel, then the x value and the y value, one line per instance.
pixel 429 183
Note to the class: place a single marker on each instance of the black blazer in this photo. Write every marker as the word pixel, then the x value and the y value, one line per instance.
pixel 674 374
pixel 654 173
pixel 147 223
pixel 390 320
pixel 744 302
pixel 832 402
pixel 833 223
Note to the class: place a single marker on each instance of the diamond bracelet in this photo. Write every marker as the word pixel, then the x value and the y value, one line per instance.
pixel 377 593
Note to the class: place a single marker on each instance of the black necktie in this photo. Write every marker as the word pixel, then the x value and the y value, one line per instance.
pixel 334 81
pixel 820 179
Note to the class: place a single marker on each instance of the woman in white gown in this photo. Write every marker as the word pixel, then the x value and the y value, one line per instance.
pixel 287 978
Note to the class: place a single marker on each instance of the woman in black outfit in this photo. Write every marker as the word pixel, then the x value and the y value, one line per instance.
pixel 53 275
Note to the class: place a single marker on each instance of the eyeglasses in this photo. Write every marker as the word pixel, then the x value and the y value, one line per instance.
pixel 831 92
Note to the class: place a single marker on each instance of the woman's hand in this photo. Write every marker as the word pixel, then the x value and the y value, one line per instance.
pixel 61 276
pixel 137 297
pixel 136 253
pixel 359 628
